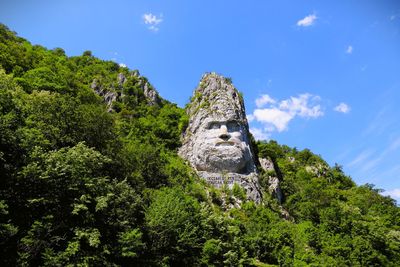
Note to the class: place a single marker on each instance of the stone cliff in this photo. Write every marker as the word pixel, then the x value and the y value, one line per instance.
pixel 116 90
pixel 216 141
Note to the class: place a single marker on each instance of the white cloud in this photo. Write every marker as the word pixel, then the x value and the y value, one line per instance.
pixel 349 49
pixel 152 21
pixel 307 21
pixel 263 100
pixel 250 118
pixel 276 116
pixel 395 193
pixel 122 65
pixel 299 106
pixel 259 134
pixel 343 108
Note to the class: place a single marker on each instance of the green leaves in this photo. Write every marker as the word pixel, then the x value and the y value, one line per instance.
pixel 174 226
pixel 42 78
pixel 131 243
pixel 81 186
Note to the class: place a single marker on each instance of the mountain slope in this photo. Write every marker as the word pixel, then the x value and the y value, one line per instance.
pixel 90 176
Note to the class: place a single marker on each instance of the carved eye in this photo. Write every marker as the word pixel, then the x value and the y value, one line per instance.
pixel 233 126
pixel 214 125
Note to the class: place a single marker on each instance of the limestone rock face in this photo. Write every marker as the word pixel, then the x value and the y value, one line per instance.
pixel 115 92
pixel 216 141
pixel 273 181
pixel 151 94
pixel 109 96
pixel 267 164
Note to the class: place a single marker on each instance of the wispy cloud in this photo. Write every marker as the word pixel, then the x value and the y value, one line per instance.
pixel 307 21
pixel 342 107
pixel 394 171
pixel 395 144
pixel 122 65
pixel 371 163
pixel 394 16
pixel 360 158
pixel 276 116
pixel 379 123
pixel 263 100
pixel 349 49
pixel 395 193
pixel 152 21
pixel 368 160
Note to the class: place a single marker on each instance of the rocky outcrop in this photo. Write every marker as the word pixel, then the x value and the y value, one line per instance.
pixel 273 181
pixel 318 170
pixel 267 164
pixel 108 95
pixel 115 92
pixel 151 95
pixel 216 141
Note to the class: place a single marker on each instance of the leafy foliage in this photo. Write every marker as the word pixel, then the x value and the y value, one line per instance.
pixel 89 183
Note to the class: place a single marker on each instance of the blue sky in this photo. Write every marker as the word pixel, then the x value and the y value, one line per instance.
pixel 323 75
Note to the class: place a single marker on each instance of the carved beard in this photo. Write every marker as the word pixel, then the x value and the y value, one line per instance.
pixel 212 158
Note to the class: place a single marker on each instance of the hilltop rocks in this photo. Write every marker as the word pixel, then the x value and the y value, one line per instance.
pixel 319 170
pixel 115 91
pixel 151 95
pixel 216 141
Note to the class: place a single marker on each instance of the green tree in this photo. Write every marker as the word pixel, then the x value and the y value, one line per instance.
pixel 173 225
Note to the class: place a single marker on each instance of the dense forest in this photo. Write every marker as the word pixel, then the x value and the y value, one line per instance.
pixel 89 181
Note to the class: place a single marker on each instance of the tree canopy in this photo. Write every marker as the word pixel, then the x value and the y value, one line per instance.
pixel 88 182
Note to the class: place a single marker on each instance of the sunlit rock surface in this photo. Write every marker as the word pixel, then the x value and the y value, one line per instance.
pixel 216 141
pixel 273 181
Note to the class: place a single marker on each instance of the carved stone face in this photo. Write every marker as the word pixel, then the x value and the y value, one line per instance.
pixel 221 145
pixel 216 139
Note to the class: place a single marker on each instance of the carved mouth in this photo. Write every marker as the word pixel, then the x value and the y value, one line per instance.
pixel 225 143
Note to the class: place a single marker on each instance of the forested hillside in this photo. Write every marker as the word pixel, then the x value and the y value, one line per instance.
pixel 90 176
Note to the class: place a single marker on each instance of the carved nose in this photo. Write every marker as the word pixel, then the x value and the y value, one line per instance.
pixel 224 135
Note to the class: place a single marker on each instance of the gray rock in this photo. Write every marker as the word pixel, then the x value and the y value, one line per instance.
pixel 109 99
pixel 216 141
pixel 94 85
pixel 319 169
pixel 111 94
pixel 273 181
pixel 151 94
pixel 267 164
pixel 275 189
pixel 121 79
pixel 108 96
pixel 135 73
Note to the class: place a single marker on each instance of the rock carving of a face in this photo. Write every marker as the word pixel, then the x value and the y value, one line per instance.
pixel 220 146
pixel 217 135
